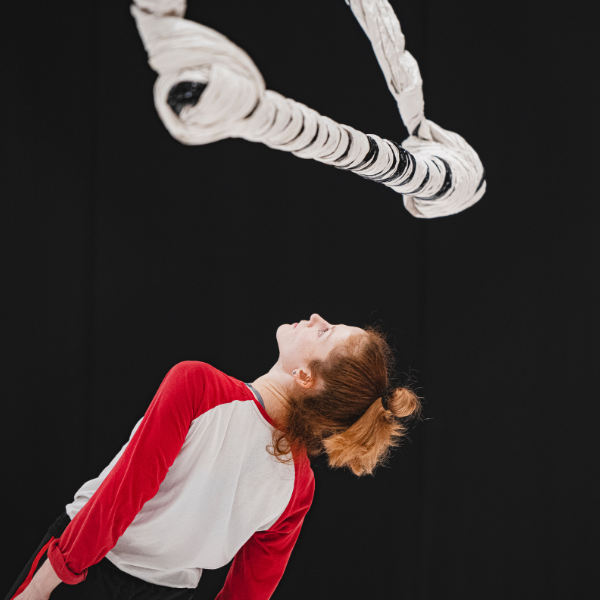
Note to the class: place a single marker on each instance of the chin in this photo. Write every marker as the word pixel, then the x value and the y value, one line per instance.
pixel 283 335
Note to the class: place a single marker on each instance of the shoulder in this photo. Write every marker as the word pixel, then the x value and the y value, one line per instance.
pixel 192 368
pixel 205 383
pixel 196 370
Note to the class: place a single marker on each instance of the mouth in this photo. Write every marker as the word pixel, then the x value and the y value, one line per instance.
pixel 294 325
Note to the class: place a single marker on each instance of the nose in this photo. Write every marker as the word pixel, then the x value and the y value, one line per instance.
pixel 317 319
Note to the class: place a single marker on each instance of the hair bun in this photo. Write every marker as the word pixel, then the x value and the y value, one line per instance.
pixel 403 402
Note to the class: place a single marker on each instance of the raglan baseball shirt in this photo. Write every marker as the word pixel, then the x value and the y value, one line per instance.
pixel 193 488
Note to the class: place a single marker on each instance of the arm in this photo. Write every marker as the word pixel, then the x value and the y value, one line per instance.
pixel 135 478
pixel 260 563
pixel 42 584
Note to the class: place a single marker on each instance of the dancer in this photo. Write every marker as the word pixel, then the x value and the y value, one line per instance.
pixel 218 469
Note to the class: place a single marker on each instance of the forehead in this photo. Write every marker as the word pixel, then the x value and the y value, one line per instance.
pixel 337 335
pixel 343 331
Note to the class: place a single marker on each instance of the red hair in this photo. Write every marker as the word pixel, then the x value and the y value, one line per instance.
pixel 342 415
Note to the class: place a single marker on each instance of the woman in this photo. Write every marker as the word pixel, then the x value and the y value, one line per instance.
pixel 219 469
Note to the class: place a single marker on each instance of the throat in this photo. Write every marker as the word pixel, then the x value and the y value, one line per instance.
pixel 272 397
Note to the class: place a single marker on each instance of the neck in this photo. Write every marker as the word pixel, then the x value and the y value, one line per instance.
pixel 272 387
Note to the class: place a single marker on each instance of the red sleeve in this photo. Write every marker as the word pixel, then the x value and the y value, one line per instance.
pixel 260 563
pixel 136 476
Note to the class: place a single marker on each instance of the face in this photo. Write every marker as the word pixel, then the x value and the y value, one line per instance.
pixel 299 343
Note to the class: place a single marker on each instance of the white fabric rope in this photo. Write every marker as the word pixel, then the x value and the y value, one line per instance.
pixel 222 94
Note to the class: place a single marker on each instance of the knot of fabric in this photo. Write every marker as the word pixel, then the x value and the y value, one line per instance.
pixel 180 50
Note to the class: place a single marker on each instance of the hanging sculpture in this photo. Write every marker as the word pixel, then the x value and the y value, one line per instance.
pixel 209 89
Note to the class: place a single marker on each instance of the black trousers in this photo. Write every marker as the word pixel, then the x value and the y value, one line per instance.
pixel 104 580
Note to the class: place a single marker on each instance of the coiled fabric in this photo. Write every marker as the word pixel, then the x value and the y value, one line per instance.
pixel 435 170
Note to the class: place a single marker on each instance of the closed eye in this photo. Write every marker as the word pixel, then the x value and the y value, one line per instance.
pixel 323 331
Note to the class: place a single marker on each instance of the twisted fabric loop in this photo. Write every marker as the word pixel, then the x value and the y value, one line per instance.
pixel 437 172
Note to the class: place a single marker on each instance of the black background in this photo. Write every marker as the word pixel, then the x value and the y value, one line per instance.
pixel 125 252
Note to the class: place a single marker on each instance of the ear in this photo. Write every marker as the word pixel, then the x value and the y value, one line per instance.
pixel 304 378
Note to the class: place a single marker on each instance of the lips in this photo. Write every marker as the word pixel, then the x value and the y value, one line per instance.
pixel 295 324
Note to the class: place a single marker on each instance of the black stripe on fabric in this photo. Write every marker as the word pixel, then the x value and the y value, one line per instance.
pixel 445 186
pixel 382 176
pixel 311 141
pixel 274 119
pixel 400 170
pixel 286 126
pixel 347 151
pixel 334 150
pixel 408 162
pixel 370 158
pixel 297 135
pixel 413 170
pixel 253 110
pixel 481 180
pixel 184 93
pixel 405 159
pixel 379 178
pixel 423 183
